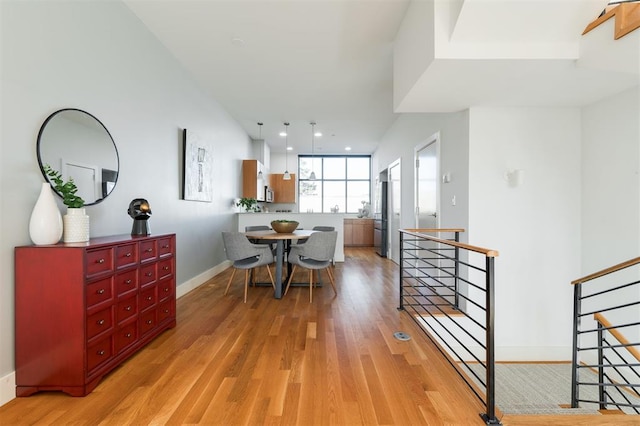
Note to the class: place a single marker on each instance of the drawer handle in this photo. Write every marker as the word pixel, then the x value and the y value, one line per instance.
pixel 149 322
pixel 128 308
pixel 101 352
pixel 166 268
pixel 128 335
pixel 128 282
pixel 149 250
pixel 149 298
pixel 166 289
pixel 149 274
pixel 100 261
pixel 101 291
pixel 165 246
pixel 166 311
pixel 127 255
pixel 100 322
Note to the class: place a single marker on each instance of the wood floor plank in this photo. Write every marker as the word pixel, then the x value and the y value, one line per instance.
pixel 282 362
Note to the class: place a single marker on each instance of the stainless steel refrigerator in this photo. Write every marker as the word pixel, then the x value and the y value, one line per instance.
pixel 380 219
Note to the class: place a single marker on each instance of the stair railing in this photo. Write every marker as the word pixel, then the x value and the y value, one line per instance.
pixel 599 343
pixel 447 287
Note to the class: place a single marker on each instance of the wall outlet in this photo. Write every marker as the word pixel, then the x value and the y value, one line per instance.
pixel 453 200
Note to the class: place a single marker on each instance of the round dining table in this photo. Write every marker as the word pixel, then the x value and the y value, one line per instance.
pixel 280 238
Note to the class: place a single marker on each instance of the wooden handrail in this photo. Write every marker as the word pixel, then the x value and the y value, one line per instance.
pixel 607 271
pixel 627 19
pixel 615 333
pixel 421 233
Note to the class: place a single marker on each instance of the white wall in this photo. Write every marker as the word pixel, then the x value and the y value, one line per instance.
pixel 610 181
pixel 411 130
pixel 535 226
pixel 97 56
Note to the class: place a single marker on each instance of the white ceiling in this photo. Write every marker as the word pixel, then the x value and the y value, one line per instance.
pixel 297 61
pixel 331 61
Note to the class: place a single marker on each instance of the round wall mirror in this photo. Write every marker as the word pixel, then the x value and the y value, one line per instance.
pixel 79 146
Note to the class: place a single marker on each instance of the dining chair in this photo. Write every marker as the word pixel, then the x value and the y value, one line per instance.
pixel 315 254
pixel 259 228
pixel 246 255
pixel 321 229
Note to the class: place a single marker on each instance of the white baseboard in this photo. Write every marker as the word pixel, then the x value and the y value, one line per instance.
pixel 8 382
pixel 198 280
pixel 7 388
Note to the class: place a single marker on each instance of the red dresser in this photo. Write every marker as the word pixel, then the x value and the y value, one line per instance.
pixel 83 308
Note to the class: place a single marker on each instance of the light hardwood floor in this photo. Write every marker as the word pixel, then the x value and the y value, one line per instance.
pixel 278 362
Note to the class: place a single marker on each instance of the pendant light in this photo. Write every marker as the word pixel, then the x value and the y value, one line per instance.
pixel 286 175
pixel 312 176
pixel 260 176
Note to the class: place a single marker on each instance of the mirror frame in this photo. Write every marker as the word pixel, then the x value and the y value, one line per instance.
pixel 39 143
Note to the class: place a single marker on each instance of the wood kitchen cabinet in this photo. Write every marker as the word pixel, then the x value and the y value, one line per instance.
pixel 253 182
pixel 81 309
pixel 358 232
pixel 284 191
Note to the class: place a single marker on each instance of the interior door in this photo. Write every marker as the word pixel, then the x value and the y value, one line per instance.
pixel 394 203
pixel 427 171
pixel 86 179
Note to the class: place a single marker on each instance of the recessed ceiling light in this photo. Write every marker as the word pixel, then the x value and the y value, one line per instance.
pixel 317 134
pixel 237 42
pixel 347 148
pixel 289 148
pixel 283 134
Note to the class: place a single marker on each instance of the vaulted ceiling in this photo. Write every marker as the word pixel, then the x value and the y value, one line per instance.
pixel 332 62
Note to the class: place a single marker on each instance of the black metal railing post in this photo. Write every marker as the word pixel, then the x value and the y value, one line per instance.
pixel 601 390
pixel 401 301
pixel 456 270
pixel 577 298
pixel 491 358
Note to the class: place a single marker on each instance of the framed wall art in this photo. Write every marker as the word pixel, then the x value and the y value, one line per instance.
pixel 198 168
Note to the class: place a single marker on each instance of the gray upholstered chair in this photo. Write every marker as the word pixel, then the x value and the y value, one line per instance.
pixel 246 255
pixel 259 228
pixel 321 229
pixel 315 254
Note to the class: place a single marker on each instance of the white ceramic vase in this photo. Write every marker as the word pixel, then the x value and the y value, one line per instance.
pixel 76 226
pixel 45 225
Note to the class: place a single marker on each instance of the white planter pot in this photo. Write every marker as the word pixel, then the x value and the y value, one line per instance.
pixel 76 226
pixel 45 225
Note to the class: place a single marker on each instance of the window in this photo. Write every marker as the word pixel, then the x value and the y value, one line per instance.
pixel 342 181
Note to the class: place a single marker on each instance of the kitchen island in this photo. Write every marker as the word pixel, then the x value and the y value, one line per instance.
pixel 305 220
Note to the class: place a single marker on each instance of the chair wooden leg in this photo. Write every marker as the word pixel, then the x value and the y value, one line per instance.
pixel 331 280
pixel 310 285
pixel 273 284
pixel 246 284
pixel 230 279
pixel 293 271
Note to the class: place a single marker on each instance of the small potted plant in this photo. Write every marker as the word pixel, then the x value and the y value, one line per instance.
pixel 76 221
pixel 249 204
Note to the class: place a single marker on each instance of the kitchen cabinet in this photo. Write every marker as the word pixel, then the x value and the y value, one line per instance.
pixel 253 179
pixel 81 309
pixel 284 191
pixel 358 232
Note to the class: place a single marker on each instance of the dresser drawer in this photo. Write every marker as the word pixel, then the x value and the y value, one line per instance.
pixel 147 298
pixel 126 282
pixel 99 352
pixel 148 250
pixel 99 261
pixel 126 255
pixel 126 309
pixel 99 291
pixel 99 322
pixel 125 336
pixel 165 311
pixel 148 274
pixel 165 247
pixel 165 268
pixel 148 321
pixel 165 288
